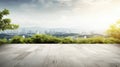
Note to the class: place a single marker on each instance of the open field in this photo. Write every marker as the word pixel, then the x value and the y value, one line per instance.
pixel 59 55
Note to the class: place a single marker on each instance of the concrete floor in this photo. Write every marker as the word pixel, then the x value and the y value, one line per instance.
pixel 56 55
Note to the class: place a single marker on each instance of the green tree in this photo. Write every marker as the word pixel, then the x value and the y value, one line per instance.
pixel 114 30
pixel 5 23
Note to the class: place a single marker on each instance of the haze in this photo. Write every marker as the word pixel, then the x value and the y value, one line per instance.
pixel 83 15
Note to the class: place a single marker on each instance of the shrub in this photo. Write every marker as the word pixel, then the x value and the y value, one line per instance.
pixel 67 40
pixel 17 39
pixel 38 38
pixel 28 40
pixel 111 41
pixel 81 40
pixel 92 40
pixel 96 40
pixel 51 39
pixel 42 38
pixel 3 41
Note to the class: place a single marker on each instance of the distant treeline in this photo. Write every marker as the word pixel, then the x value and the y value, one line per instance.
pixel 44 39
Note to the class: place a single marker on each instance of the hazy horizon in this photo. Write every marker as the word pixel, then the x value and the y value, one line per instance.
pixel 83 15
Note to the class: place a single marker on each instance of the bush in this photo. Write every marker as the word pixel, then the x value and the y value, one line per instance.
pixel 28 40
pixel 67 40
pixel 3 41
pixel 96 40
pixel 93 40
pixel 38 38
pixel 81 41
pixel 51 39
pixel 17 39
pixel 42 38
pixel 111 41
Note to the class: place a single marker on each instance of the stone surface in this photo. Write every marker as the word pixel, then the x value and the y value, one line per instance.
pixel 59 55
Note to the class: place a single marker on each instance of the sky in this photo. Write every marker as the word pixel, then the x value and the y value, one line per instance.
pixel 83 15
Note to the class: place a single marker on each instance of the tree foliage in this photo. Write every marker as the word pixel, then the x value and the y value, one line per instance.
pixel 114 30
pixel 5 23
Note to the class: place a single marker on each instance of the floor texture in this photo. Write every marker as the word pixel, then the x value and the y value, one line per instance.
pixel 59 55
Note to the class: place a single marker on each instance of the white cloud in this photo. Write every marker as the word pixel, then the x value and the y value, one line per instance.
pixel 58 5
pixel 93 14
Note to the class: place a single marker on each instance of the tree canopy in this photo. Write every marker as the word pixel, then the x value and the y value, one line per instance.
pixel 5 23
pixel 114 30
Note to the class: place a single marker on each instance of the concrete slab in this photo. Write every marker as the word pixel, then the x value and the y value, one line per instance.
pixel 60 55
